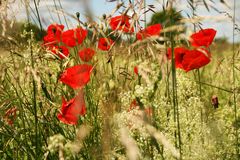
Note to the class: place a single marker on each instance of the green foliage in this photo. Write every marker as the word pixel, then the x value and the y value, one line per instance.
pixel 17 29
pixel 38 33
pixel 167 18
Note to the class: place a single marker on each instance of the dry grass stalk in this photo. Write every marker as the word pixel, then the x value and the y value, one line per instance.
pixel 130 145
pixel 162 139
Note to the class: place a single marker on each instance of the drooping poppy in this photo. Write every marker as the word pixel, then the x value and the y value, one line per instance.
pixel 153 30
pixel 214 101
pixel 121 23
pixel 195 59
pixel 86 54
pixel 105 44
pixel 203 37
pixel 135 69
pixel 72 37
pixel 61 51
pixel 10 115
pixel 77 76
pixel 72 109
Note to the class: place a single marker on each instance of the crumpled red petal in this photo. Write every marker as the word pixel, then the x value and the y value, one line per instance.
pixel 153 30
pixel 72 109
pixel 121 23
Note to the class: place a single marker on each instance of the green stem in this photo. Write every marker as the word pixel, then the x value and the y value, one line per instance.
pixel 34 101
pixel 234 80
pixel 174 90
pixel 199 83
pixel 38 16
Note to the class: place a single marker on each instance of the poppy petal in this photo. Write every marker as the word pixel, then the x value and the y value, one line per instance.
pixel 71 110
pixel 121 23
pixel 179 53
pixel 86 54
pixel 152 30
pixel 77 76
pixel 203 37
pixel 195 59
pixel 105 44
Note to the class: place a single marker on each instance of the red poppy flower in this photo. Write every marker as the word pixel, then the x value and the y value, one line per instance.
pixel 135 70
pixel 55 29
pixel 61 51
pixel 121 23
pixel 50 40
pixel 179 53
pixel 195 59
pixel 72 37
pixel 203 37
pixel 86 54
pixel 77 76
pixel 153 30
pixel 105 44
pixel 54 32
pixel 72 109
pixel 10 115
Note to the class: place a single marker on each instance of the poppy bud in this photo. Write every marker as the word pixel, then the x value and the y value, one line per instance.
pixel 104 16
pixel 215 101
pixel 119 5
pixel 85 24
pixel 78 15
pixel 135 69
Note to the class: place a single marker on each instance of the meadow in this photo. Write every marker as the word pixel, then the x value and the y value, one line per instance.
pixel 119 89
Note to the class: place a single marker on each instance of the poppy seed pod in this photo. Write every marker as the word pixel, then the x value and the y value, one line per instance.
pixel 78 15
pixel 104 16
pixel 215 101
pixel 119 5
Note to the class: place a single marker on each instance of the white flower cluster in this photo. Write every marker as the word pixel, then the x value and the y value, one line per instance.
pixel 143 93
pixel 54 142
pixel 126 98
pixel 132 119
pixel 186 88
